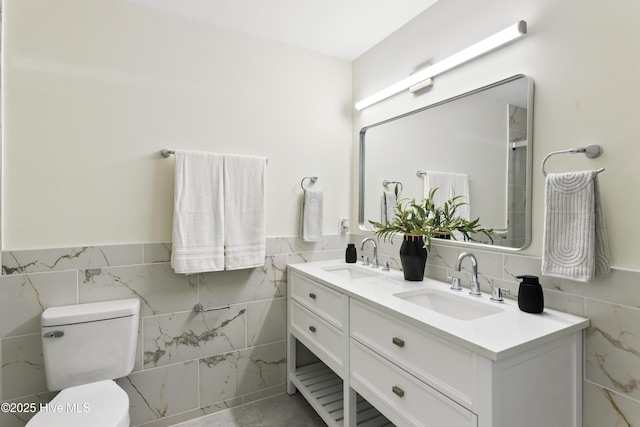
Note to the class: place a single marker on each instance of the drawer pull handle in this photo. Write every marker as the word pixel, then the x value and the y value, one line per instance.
pixel 312 328
pixel 398 342
pixel 54 334
pixel 397 390
pixel 312 295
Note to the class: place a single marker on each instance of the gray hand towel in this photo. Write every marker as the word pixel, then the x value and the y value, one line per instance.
pixel 575 241
pixel 311 214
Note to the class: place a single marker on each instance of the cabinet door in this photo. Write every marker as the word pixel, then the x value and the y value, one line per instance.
pixel 401 397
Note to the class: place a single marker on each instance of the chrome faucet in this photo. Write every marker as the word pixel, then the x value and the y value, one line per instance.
pixel 375 250
pixel 474 286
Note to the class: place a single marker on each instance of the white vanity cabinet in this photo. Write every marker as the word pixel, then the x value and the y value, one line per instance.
pixel 416 376
pixel 418 379
pixel 391 361
pixel 318 318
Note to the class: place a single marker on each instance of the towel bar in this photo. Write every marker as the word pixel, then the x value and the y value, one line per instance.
pixel 422 174
pixel 167 153
pixel 591 151
pixel 198 308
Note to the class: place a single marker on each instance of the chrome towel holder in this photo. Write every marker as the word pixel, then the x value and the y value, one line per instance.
pixel 397 183
pixel 591 151
pixel 166 153
pixel 311 178
pixel 199 308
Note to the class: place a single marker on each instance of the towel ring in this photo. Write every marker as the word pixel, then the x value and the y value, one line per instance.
pixel 311 178
pixel 591 151
pixel 397 183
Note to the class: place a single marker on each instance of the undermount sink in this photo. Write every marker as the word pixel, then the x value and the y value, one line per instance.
pixel 350 272
pixel 451 305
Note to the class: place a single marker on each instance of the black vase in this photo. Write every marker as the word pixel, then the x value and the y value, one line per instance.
pixel 413 256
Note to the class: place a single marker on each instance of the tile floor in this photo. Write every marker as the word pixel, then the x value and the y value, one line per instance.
pixel 278 411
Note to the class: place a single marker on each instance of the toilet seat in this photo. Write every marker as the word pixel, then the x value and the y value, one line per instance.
pixel 98 404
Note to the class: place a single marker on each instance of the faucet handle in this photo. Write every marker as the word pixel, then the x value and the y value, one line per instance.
pixel 365 260
pixel 387 266
pixel 496 293
pixel 455 284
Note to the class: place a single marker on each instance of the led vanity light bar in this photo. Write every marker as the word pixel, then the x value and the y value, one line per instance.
pixel 495 41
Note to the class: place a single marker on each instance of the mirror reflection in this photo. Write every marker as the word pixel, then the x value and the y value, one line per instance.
pixel 476 145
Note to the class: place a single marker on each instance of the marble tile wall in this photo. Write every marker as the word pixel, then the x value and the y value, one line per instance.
pixel 611 381
pixel 188 364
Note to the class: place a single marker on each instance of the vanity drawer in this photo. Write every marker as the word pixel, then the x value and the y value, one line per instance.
pixel 401 397
pixel 449 368
pixel 318 298
pixel 324 340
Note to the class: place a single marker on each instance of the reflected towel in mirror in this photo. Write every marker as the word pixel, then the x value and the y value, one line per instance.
pixel 449 185
pixel 388 206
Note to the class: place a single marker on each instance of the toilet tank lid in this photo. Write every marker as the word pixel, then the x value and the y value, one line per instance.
pixel 90 312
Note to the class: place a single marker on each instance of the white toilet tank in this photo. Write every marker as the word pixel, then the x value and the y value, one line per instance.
pixel 84 343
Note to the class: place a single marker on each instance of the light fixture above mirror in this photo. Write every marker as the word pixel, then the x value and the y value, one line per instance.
pixel 495 41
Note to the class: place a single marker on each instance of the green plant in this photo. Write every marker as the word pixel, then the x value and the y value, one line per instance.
pixel 424 218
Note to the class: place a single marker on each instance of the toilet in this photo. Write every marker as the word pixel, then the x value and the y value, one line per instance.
pixel 86 347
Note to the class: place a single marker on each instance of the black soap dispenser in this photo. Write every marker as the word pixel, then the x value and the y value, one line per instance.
pixel 530 296
pixel 351 256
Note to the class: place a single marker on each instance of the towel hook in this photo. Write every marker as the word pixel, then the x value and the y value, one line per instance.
pixel 591 151
pixel 397 183
pixel 311 178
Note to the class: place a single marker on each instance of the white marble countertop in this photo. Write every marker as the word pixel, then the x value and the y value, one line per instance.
pixel 494 336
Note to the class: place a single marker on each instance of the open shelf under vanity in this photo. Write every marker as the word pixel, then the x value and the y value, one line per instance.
pixel 323 389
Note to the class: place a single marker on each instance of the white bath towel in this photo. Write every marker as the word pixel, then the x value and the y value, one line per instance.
pixel 244 211
pixel 389 203
pixel 574 241
pixel 198 217
pixel 311 215
pixel 449 185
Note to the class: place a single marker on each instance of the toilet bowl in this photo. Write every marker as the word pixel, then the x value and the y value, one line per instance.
pixel 99 404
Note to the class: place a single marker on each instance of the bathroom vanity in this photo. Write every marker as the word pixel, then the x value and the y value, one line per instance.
pixel 419 354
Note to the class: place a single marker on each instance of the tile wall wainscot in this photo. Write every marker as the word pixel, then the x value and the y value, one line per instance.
pixel 187 364
pixel 611 382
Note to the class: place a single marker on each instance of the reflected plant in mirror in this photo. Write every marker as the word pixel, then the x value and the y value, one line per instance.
pixel 475 146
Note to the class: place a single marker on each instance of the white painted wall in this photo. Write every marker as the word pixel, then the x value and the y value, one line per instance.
pixel 584 58
pixel 93 90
